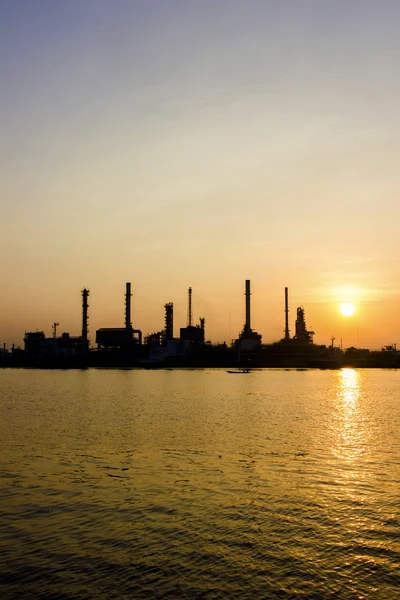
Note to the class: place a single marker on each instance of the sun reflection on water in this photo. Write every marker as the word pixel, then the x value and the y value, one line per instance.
pixel 350 446
pixel 352 437
pixel 350 429
pixel 349 385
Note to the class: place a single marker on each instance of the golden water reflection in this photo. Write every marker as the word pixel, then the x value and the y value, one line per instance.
pixel 351 447
pixel 349 425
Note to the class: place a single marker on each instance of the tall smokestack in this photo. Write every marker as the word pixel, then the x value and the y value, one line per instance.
pixel 128 296
pixel 189 318
pixel 247 294
pixel 287 336
pixel 85 318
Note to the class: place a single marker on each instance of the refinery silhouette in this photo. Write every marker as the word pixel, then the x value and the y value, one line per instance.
pixel 127 347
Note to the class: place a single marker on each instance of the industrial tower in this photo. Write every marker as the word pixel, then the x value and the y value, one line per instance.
pixel 189 315
pixel 249 340
pixel 128 296
pixel 302 334
pixel 192 333
pixel 85 319
pixel 247 293
pixel 122 338
pixel 287 336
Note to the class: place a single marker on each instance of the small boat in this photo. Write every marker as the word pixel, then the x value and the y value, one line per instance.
pixel 239 372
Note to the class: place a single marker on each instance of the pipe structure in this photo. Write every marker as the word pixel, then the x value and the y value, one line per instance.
pixel 128 296
pixel 247 294
pixel 287 336
pixel 85 318
pixel 189 317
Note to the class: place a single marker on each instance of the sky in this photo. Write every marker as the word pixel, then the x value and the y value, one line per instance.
pixel 177 143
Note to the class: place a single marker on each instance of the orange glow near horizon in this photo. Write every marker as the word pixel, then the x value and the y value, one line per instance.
pixel 201 146
pixel 222 304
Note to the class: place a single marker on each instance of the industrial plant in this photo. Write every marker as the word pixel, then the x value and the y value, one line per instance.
pixel 127 347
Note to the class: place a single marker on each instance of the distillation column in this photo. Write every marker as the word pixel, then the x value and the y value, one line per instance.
pixel 169 321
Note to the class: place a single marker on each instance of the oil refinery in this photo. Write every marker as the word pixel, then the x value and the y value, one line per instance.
pixel 127 347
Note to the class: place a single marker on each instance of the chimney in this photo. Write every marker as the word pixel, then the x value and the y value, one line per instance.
pixel 287 336
pixel 247 294
pixel 128 296
pixel 85 318
pixel 189 318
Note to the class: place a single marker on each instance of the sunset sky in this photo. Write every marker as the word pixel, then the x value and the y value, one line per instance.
pixel 177 143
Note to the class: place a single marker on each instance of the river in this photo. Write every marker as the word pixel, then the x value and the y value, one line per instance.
pixel 199 484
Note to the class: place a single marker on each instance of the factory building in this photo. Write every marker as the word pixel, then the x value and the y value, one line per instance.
pixel 37 345
pixel 116 337
pixel 164 348
pixel 193 333
pixel 124 338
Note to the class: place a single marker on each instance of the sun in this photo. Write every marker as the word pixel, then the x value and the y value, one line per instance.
pixel 347 309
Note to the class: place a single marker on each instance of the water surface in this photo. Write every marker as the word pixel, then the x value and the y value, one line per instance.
pixel 199 484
